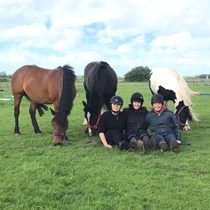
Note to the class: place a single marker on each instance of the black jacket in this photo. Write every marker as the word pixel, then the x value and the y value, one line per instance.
pixel 110 122
pixel 135 120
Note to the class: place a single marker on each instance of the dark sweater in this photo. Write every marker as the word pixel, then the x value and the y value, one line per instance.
pixel 109 122
pixel 135 120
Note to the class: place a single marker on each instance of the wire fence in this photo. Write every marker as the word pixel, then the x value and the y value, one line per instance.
pixel 198 81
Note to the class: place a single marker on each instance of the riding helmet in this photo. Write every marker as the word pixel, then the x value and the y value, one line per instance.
pixel 157 98
pixel 116 100
pixel 137 97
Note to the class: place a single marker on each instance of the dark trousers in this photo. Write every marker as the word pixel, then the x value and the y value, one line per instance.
pixel 137 137
pixel 164 137
pixel 114 137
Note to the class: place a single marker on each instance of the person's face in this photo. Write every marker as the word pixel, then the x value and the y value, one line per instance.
pixel 157 107
pixel 116 107
pixel 136 105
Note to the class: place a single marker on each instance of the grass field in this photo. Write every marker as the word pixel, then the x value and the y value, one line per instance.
pixel 36 175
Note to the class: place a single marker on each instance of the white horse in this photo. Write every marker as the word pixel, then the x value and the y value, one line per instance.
pixel 172 86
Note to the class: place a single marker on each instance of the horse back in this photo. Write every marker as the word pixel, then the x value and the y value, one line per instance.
pixel 99 78
pixel 38 84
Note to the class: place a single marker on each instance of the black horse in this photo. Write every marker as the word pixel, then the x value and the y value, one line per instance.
pixel 100 84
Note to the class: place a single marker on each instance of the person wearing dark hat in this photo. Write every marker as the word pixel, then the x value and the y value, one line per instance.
pixel 111 126
pixel 163 125
pixel 136 127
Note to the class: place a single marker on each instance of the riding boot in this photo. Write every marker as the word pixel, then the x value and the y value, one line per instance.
pixel 133 144
pixel 174 145
pixel 146 141
pixel 123 145
pixel 163 146
pixel 154 143
pixel 140 145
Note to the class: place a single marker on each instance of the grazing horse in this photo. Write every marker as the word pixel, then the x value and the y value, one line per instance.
pixel 100 84
pixel 172 86
pixel 45 86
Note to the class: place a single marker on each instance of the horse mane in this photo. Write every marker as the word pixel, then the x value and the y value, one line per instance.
pixel 184 93
pixel 67 94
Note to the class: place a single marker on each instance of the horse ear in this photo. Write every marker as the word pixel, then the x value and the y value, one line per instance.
pixel 84 104
pixel 52 111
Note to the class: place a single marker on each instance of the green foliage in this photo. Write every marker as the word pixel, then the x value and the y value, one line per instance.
pixel 37 175
pixel 204 76
pixel 138 74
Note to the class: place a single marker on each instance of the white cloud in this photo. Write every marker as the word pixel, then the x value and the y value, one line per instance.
pixel 126 33
pixel 180 40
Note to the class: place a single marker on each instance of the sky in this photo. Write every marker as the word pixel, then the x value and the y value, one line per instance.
pixel 124 33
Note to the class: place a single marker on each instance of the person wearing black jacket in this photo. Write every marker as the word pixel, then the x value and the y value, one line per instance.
pixel 136 127
pixel 111 126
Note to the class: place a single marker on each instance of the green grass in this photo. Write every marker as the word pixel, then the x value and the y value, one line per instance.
pixel 36 175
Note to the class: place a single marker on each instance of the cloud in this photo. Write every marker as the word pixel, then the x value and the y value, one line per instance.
pixel 126 34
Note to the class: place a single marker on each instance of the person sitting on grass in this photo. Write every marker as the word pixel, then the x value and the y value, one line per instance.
pixel 136 127
pixel 163 125
pixel 111 126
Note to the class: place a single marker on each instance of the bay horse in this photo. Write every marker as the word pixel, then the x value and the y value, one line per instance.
pixel 45 86
pixel 172 86
pixel 100 84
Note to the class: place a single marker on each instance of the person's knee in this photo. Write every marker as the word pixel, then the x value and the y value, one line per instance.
pixel 154 142
pixel 131 137
pixel 146 139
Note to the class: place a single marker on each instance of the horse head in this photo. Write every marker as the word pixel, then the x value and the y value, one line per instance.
pixel 167 94
pixel 60 126
pixel 92 115
pixel 183 115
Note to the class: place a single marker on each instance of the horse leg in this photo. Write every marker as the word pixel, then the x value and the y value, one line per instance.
pixel 187 126
pixel 65 137
pixel 32 111
pixel 107 102
pixel 17 101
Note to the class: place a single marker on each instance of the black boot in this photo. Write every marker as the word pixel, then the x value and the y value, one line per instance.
pixel 133 144
pixel 163 146
pixel 174 145
pixel 146 141
pixel 154 143
pixel 123 145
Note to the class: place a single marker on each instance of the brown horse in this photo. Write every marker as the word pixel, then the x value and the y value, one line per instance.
pixel 45 86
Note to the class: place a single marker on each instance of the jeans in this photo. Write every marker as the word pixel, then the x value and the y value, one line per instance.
pixel 164 137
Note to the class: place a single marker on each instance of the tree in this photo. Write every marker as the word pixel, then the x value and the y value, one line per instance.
pixel 138 74
pixel 3 74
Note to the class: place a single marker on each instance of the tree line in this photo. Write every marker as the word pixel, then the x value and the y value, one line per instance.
pixel 137 74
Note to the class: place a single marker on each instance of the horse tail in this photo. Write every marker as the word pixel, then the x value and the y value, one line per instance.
pixel 40 108
pixel 185 95
pixel 68 90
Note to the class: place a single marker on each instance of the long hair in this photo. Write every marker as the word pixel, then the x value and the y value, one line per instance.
pixel 67 95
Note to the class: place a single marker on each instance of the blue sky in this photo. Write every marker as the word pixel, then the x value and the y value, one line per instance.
pixel 126 34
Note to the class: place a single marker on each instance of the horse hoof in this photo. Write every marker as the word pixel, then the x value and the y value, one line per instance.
pixel 65 138
pixel 57 144
pixel 17 134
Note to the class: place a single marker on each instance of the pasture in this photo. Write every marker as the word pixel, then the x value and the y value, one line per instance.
pixel 37 175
